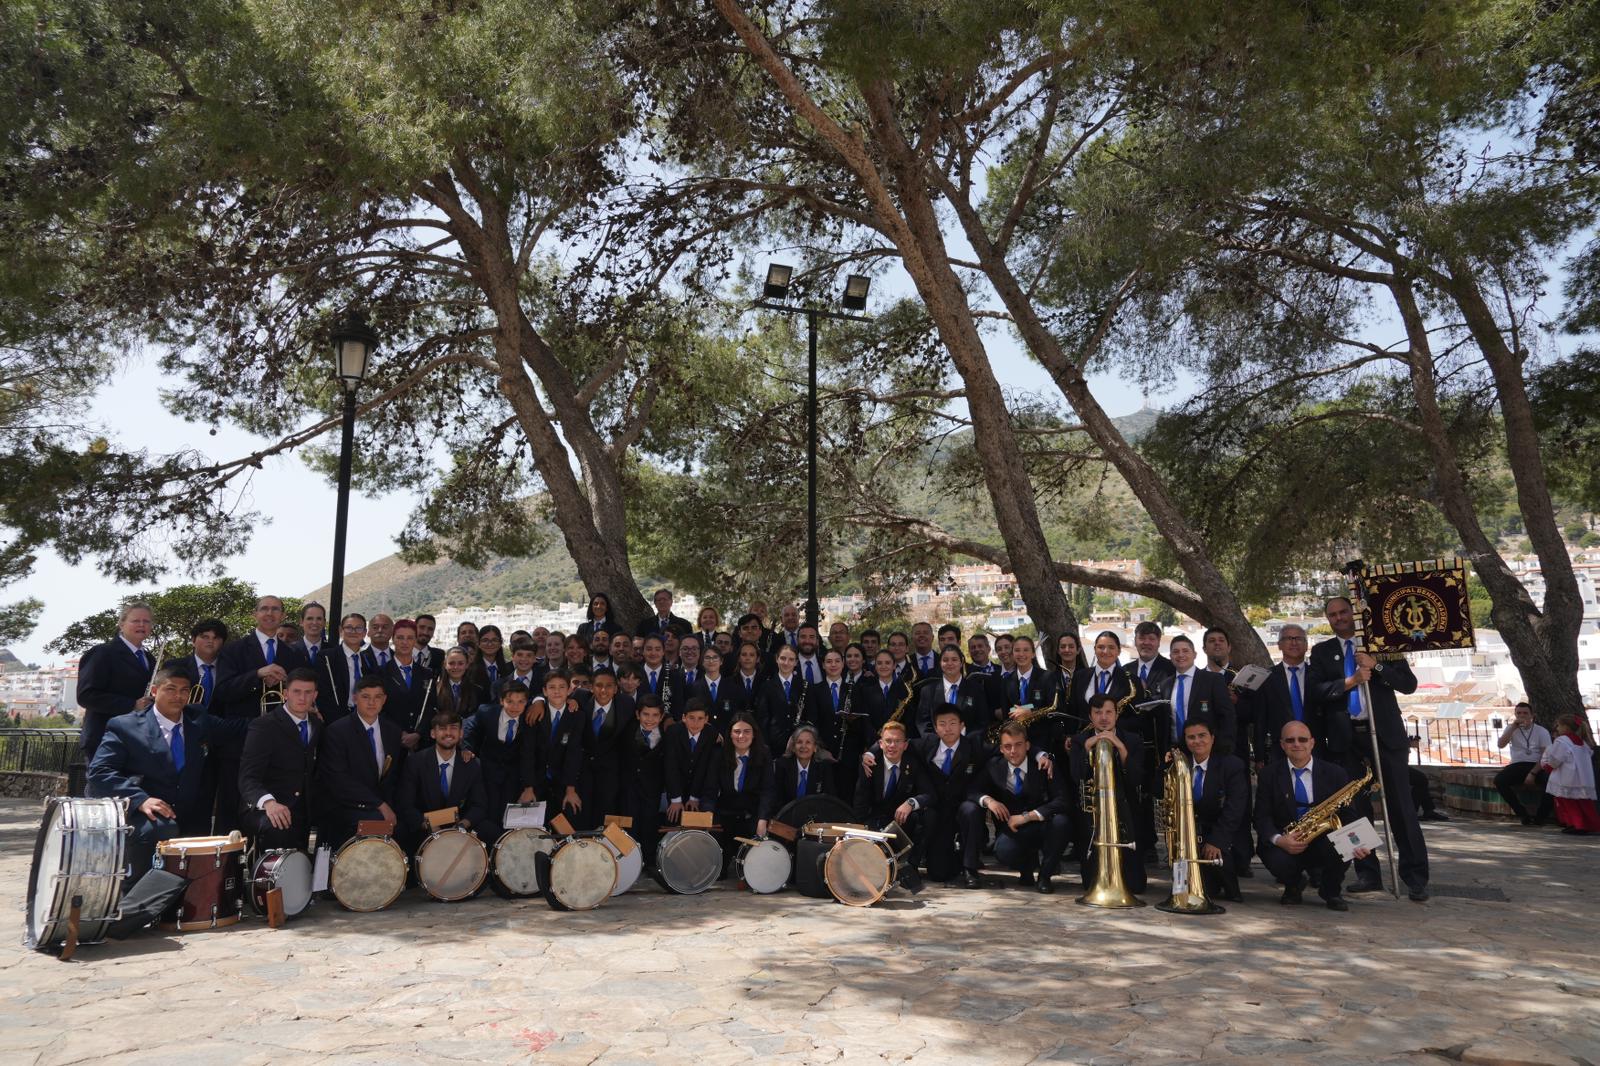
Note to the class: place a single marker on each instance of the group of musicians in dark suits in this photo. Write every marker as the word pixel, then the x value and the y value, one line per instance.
pixel 961 752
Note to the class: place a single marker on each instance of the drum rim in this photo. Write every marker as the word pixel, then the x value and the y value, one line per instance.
pixel 841 848
pixel 333 867
pixel 277 857
pixel 534 832
pixel 581 844
pixel 91 930
pixel 671 843
pixel 483 872
pixel 634 861
pixel 762 847
pixel 173 846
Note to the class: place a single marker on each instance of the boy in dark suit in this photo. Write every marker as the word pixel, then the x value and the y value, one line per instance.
pixel 690 760
pixel 1129 769
pixel 495 735
pixel 552 750
pixel 644 775
pixel 893 791
pixel 358 768
pixel 1220 785
pixel 608 720
pixel 436 778
pixel 277 764
pixel 252 671
pixel 1028 809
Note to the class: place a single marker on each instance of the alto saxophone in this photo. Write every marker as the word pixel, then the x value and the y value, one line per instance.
pixel 1324 818
pixel 1027 718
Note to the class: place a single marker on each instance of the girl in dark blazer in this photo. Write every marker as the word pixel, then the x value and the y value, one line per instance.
pixel 743 786
pixel 455 690
pixel 492 663
pixel 599 617
pixel 783 702
pixel 880 692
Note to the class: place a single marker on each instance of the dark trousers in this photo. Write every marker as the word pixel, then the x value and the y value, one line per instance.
pixel 939 846
pixel 339 825
pixel 1509 783
pixel 1399 809
pixel 1036 846
pixel 1244 844
pixel 1222 882
pixel 266 836
pixel 225 780
pixel 597 788
pixel 734 824
pixel 1321 855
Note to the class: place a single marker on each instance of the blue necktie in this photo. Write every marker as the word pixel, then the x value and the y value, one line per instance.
pixel 951 698
pixel 555 724
pixel 949 759
pixel 713 687
pixel 511 730
pixel 311 653
pixel 744 761
pixel 1178 708
pixel 1144 673
pixel 688 678
pixel 406 671
pixel 1199 782
pixel 144 661
pixel 1016 781
pixel 1302 798
pixel 272 651
pixel 810 675
pixel 599 720
pixel 1353 700
pixel 747 683
pixel 800 786
pixel 1296 699
pixel 207 681
pixel 835 688
pixel 444 780
pixel 305 733
pixel 355 667
pixel 694 742
pixel 786 685
pixel 372 738
pixel 455 691
pixel 1105 676
pixel 653 688
pixel 1022 689
pixel 894 776
pixel 177 746
pixel 494 674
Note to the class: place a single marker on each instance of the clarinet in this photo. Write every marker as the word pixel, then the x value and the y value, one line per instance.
pixel 666 691
pixel 844 715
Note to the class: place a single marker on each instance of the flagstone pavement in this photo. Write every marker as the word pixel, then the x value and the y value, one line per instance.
pixel 949 976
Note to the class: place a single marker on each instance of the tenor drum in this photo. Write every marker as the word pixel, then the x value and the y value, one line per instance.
pixel 688 861
pixel 286 870
pixel 858 871
pixel 579 875
pixel 810 852
pixel 515 867
pixel 368 873
pixel 764 866
pixel 77 855
pixel 629 866
pixel 451 865
pixel 214 870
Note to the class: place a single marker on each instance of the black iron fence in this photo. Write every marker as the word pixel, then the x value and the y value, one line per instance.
pixel 48 751
pixel 1456 742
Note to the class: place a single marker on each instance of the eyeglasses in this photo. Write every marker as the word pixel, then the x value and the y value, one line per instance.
pixel 1297 740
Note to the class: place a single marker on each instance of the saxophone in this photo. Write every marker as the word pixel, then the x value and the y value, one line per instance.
pixel 1133 688
pixel 1027 718
pixel 1324 818
pixel 1109 888
pixel 912 688
pixel 1183 840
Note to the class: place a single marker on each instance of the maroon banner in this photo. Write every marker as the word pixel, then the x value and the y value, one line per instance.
pixel 1408 607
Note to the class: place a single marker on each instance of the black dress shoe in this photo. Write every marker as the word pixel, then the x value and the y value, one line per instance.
pixel 1046 886
pixel 1419 895
pixel 1337 903
pixel 1292 893
pixel 969 879
pixel 1526 820
pixel 1364 886
pixel 1435 816
pixel 911 881
pixel 1245 871
pixel 1025 880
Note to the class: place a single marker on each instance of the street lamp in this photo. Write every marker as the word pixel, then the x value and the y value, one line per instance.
pixel 854 299
pixel 353 345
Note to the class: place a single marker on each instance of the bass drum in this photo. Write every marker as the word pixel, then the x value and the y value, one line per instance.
pixel 688 861
pixel 809 854
pixel 858 871
pixel 579 875
pixel 368 873
pixel 451 865
pixel 287 870
pixel 515 866
pixel 764 866
pixel 77 854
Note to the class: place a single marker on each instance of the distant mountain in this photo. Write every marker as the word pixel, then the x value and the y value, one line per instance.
pixel 1137 424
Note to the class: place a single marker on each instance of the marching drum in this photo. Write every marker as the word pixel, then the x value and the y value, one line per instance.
pixel 859 870
pixel 77 856
pixel 515 866
pixel 368 873
pixel 287 870
pixel 629 866
pixel 764 866
pixel 811 851
pixel 688 861
pixel 214 870
pixel 579 875
pixel 451 865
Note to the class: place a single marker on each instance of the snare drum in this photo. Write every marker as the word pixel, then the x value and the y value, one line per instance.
pixel 286 870
pixel 214 869
pixel 629 866
pixel 515 867
pixel 367 873
pixel 858 871
pixel 579 875
pixel 688 861
pixel 451 865
pixel 77 855
pixel 764 866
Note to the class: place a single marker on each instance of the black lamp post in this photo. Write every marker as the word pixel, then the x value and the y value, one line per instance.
pixel 854 299
pixel 353 345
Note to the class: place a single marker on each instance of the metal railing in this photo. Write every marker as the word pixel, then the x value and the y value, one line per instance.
pixel 1455 742
pixel 48 751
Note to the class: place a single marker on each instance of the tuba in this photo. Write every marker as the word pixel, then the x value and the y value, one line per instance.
pixel 1183 842
pixel 1109 889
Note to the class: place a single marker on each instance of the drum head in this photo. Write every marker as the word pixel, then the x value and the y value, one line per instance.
pixel 516 870
pixel 765 866
pixel 290 873
pixel 582 874
pixel 368 873
pixel 78 852
pixel 818 808
pixel 451 864
pixel 192 845
pixel 858 872
pixel 629 866
pixel 689 861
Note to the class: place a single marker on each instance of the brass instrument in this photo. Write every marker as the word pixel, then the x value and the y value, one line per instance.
pixel 1183 841
pixel 1323 818
pixel 1133 688
pixel 1027 718
pixel 900 711
pixel 1109 889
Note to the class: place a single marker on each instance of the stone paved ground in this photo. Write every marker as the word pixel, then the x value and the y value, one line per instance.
pixel 999 976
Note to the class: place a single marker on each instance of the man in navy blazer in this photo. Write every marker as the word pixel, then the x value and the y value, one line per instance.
pixel 278 764
pixel 437 777
pixel 1220 785
pixel 247 667
pixel 358 768
pixel 155 759
pixel 1288 788
pixel 114 677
